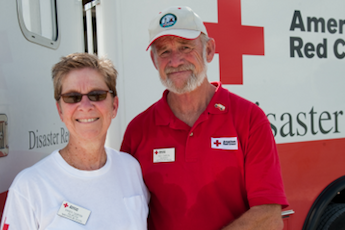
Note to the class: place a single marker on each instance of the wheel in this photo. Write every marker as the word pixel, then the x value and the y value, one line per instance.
pixel 333 217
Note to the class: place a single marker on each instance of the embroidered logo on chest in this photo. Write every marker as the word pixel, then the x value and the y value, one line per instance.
pixel 228 143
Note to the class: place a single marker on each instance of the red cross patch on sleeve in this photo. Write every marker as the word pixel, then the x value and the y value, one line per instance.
pixel 6 226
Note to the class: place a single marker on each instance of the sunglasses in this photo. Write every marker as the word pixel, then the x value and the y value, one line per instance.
pixel 96 95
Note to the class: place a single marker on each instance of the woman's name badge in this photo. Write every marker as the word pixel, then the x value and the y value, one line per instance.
pixel 74 212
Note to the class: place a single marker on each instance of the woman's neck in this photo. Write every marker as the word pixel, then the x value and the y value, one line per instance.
pixel 92 157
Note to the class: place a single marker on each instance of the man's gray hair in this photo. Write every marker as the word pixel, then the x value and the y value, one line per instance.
pixel 204 39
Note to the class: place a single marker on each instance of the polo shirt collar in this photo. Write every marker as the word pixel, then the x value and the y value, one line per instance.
pixel 218 105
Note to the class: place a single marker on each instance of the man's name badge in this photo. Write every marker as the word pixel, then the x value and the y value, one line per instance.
pixel 164 155
pixel 74 212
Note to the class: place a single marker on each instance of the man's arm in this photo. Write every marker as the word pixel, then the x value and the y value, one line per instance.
pixel 262 217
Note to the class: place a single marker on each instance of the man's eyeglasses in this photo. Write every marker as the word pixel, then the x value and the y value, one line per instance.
pixel 96 95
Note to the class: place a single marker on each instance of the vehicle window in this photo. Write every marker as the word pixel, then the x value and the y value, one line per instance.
pixel 38 21
pixel 3 136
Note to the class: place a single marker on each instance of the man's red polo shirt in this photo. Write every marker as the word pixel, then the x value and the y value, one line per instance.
pixel 206 176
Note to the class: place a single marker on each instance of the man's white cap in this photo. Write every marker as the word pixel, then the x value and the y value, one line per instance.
pixel 179 21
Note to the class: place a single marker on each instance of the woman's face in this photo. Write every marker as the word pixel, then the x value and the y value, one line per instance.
pixel 86 120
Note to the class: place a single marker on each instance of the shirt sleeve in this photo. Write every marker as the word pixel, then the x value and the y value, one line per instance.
pixel 129 137
pixel 18 213
pixel 262 167
pixel 125 146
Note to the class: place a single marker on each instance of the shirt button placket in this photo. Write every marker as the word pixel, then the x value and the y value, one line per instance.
pixel 191 155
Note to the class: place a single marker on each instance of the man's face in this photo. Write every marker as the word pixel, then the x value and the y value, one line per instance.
pixel 181 63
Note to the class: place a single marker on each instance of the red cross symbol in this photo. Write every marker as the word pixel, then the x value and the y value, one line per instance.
pixel 6 226
pixel 66 205
pixel 217 143
pixel 234 40
pixel 156 152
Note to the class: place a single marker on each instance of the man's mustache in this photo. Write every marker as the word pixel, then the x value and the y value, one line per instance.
pixel 183 67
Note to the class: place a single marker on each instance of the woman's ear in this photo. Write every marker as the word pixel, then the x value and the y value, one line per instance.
pixel 59 109
pixel 115 106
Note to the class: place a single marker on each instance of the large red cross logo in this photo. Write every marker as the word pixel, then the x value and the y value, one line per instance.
pixel 234 40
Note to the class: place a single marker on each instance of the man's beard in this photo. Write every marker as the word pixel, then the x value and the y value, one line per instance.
pixel 193 82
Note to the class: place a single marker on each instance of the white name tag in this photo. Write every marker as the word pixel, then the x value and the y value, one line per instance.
pixel 164 155
pixel 74 212
pixel 228 143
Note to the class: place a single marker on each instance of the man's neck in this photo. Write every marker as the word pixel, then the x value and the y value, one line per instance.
pixel 189 106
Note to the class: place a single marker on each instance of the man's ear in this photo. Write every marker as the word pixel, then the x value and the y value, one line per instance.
pixel 210 49
pixel 153 58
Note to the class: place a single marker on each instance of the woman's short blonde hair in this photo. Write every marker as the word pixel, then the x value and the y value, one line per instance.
pixel 80 61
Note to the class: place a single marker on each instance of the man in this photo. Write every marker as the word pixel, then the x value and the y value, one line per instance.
pixel 208 156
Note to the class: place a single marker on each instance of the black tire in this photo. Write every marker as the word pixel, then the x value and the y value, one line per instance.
pixel 333 218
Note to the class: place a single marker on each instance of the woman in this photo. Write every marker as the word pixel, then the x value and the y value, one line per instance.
pixel 84 185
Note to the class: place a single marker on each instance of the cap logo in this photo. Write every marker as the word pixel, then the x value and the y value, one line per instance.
pixel 168 20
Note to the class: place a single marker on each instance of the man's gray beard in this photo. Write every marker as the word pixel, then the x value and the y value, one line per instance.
pixel 193 82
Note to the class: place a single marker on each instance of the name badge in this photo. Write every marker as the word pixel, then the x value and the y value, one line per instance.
pixel 164 155
pixel 74 212
pixel 228 143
